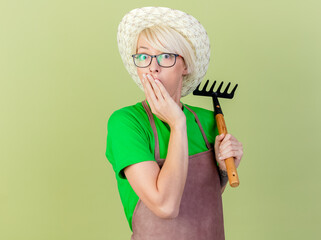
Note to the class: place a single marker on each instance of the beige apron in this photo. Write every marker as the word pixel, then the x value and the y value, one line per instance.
pixel 201 213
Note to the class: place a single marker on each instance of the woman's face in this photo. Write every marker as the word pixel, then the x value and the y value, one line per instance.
pixel 171 77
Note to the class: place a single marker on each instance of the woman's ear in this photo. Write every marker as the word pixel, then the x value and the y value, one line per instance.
pixel 185 71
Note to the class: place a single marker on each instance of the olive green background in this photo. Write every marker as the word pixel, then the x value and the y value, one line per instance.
pixel 61 77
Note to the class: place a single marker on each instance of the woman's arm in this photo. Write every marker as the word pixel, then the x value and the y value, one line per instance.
pixel 172 177
pixel 161 189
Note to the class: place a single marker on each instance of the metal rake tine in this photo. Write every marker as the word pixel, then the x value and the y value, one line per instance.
pixel 232 93
pixel 205 86
pixel 219 88
pixel 212 87
pixel 228 85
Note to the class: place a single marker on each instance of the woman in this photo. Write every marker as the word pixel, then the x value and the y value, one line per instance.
pixel 169 175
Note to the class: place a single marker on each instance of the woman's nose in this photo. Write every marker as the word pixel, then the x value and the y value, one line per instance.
pixel 154 67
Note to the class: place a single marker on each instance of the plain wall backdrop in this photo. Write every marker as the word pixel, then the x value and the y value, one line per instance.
pixel 61 77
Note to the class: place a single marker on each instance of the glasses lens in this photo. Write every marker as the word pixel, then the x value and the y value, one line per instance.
pixel 166 59
pixel 142 60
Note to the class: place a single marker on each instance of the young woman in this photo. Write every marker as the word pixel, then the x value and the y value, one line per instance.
pixel 167 156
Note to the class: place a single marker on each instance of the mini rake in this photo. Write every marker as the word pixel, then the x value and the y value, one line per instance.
pixel 218 114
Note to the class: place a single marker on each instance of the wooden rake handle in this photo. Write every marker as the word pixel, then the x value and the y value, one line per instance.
pixel 229 162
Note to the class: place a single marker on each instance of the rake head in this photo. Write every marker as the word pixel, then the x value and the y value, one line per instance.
pixel 217 93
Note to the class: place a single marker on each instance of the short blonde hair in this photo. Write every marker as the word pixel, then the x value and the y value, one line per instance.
pixel 166 39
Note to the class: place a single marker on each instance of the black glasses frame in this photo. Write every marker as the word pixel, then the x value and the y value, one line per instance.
pixel 155 56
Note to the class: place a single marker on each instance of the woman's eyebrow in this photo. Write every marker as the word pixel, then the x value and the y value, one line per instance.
pixel 143 47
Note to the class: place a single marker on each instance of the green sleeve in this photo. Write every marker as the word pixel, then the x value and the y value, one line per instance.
pixel 127 142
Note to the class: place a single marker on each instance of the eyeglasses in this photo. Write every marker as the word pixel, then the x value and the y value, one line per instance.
pixel 166 60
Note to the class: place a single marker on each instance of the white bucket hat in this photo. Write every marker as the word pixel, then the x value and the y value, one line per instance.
pixel 140 18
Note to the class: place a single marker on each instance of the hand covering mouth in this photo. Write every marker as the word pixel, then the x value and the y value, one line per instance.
pixel 159 80
pixel 156 78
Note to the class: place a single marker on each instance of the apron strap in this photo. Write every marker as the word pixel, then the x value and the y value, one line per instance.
pixel 200 126
pixel 152 122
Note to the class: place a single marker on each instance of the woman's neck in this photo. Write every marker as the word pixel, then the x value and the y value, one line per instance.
pixel 177 99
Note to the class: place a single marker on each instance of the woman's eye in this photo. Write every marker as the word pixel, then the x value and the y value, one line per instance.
pixel 142 57
pixel 166 56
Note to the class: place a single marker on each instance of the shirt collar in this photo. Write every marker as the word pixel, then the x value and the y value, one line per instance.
pixel 183 106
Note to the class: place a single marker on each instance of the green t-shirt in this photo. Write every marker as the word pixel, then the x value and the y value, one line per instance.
pixel 130 140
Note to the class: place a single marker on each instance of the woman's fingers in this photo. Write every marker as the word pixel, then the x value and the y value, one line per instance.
pixel 163 90
pixel 150 92
pixel 218 140
pixel 229 145
pixel 147 91
pixel 228 142
pixel 237 155
pixel 231 153
pixel 155 87
pixel 228 137
pixel 229 150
